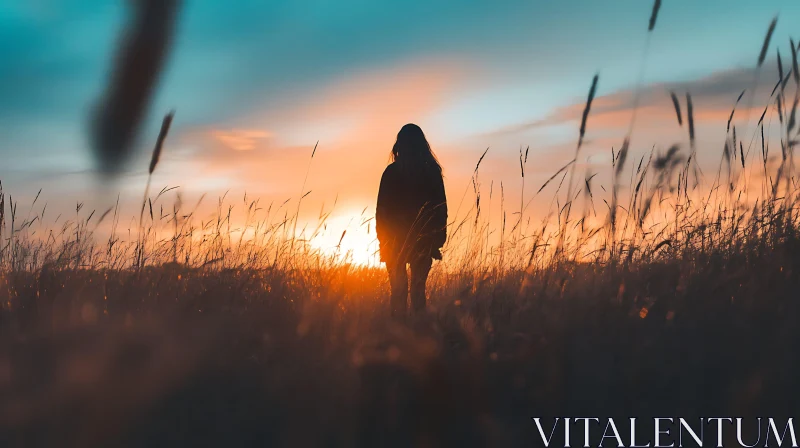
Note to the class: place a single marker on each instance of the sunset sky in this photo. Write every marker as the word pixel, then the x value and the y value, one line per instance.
pixel 257 83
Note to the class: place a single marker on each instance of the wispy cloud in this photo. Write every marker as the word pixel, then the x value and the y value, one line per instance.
pixel 240 139
pixel 369 109
pixel 714 97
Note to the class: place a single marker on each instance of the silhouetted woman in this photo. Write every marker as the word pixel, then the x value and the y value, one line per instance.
pixel 411 217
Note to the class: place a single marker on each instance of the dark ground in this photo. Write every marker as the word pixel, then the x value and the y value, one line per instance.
pixel 241 358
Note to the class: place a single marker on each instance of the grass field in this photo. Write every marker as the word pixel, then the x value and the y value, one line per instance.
pixel 681 299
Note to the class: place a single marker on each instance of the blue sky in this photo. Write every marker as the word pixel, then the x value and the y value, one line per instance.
pixel 272 77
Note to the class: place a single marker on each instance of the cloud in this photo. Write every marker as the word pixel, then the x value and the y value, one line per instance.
pixel 713 98
pixel 355 120
pixel 240 139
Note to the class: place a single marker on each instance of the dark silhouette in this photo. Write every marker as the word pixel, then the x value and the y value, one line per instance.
pixel 139 61
pixel 411 217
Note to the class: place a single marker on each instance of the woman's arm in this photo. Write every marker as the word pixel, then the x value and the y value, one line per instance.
pixel 440 214
pixel 382 209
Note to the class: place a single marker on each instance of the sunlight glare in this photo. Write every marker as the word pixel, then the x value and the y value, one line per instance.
pixel 348 238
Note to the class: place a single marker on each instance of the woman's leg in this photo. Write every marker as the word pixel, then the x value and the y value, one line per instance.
pixel 398 279
pixel 420 268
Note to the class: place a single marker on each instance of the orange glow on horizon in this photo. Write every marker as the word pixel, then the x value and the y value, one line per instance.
pixel 348 238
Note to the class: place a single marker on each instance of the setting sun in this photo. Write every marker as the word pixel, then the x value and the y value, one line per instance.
pixel 348 238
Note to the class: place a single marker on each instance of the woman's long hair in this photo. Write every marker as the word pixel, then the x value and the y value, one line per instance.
pixel 413 152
